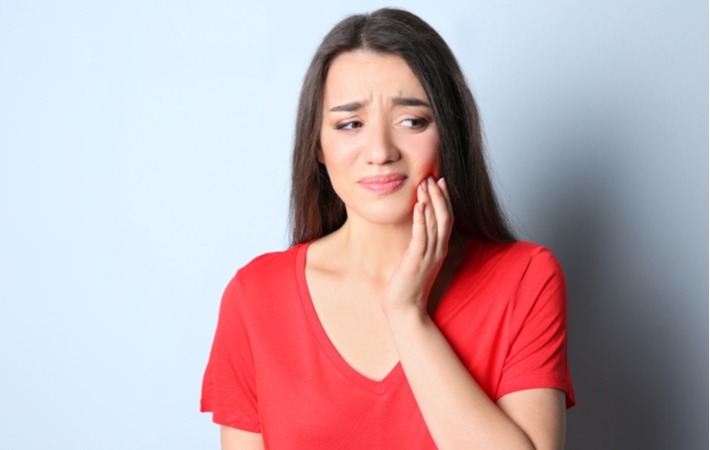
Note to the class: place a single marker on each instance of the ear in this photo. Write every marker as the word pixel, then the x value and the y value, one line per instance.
pixel 319 154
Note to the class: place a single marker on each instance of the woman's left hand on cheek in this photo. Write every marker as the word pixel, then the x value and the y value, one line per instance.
pixel 409 286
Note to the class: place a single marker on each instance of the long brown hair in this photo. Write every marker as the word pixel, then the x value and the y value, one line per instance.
pixel 316 210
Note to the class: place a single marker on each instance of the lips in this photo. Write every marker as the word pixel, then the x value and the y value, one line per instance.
pixel 383 184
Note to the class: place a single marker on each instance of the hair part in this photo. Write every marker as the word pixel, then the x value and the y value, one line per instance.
pixel 316 210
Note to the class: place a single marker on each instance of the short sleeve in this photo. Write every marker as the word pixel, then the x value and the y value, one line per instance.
pixel 228 387
pixel 537 356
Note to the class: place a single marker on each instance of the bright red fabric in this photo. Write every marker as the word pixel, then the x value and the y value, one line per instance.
pixel 273 370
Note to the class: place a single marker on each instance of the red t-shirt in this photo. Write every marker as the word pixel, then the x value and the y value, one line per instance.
pixel 273 370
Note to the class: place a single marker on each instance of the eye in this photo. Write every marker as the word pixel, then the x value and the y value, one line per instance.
pixel 415 122
pixel 348 125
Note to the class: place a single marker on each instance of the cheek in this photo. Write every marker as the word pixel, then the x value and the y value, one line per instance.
pixel 328 153
pixel 435 166
pixel 337 156
pixel 334 148
pixel 429 159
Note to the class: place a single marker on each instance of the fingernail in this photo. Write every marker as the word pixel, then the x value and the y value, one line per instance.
pixel 442 183
pixel 425 186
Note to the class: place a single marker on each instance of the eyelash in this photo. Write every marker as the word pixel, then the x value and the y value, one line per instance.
pixel 416 123
pixel 347 125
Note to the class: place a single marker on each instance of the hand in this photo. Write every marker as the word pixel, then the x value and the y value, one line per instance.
pixel 409 286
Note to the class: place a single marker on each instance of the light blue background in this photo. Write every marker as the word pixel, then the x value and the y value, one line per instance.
pixel 144 157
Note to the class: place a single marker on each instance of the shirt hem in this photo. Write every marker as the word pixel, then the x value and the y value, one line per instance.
pixel 539 383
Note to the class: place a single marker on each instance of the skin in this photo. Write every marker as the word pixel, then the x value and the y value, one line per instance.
pixel 376 280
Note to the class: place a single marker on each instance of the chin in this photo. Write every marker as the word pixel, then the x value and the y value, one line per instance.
pixel 385 213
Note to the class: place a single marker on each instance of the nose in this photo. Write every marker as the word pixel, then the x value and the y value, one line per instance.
pixel 380 146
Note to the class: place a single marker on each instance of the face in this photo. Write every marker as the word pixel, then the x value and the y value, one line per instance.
pixel 378 139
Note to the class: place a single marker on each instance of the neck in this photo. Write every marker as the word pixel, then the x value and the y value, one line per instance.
pixel 374 250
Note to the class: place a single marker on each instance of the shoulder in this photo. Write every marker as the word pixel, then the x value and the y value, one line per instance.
pixel 270 265
pixel 535 280
pixel 515 274
pixel 514 260
pixel 515 250
pixel 266 274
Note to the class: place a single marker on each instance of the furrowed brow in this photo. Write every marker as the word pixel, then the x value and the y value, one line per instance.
pixel 410 102
pixel 348 107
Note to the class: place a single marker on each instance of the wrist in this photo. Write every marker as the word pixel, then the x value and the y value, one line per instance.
pixel 405 314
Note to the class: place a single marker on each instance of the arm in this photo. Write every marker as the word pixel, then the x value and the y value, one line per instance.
pixel 457 412
pixel 540 413
pixel 234 439
pixel 228 387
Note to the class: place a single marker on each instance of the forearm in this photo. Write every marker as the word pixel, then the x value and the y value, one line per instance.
pixel 457 412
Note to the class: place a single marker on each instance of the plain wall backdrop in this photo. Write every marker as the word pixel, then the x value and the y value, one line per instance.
pixel 144 157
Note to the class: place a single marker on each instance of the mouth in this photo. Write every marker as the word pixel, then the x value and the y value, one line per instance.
pixel 383 184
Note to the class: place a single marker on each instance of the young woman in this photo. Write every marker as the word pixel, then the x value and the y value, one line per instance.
pixel 404 315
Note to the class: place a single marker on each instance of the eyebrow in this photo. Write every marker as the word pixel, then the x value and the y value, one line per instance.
pixel 401 101
pixel 348 107
pixel 410 102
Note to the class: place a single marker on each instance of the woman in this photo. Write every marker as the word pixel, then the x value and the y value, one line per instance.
pixel 404 315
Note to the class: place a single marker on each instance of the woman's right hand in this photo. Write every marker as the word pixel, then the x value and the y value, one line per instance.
pixel 408 288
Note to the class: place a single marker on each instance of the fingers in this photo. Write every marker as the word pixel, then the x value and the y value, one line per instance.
pixel 445 189
pixel 442 204
pixel 431 228
pixel 418 245
pixel 437 217
pixel 444 211
pixel 429 217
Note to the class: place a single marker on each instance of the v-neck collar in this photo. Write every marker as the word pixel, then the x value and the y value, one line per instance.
pixel 396 373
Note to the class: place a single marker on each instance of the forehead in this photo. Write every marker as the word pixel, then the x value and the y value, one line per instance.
pixel 362 75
